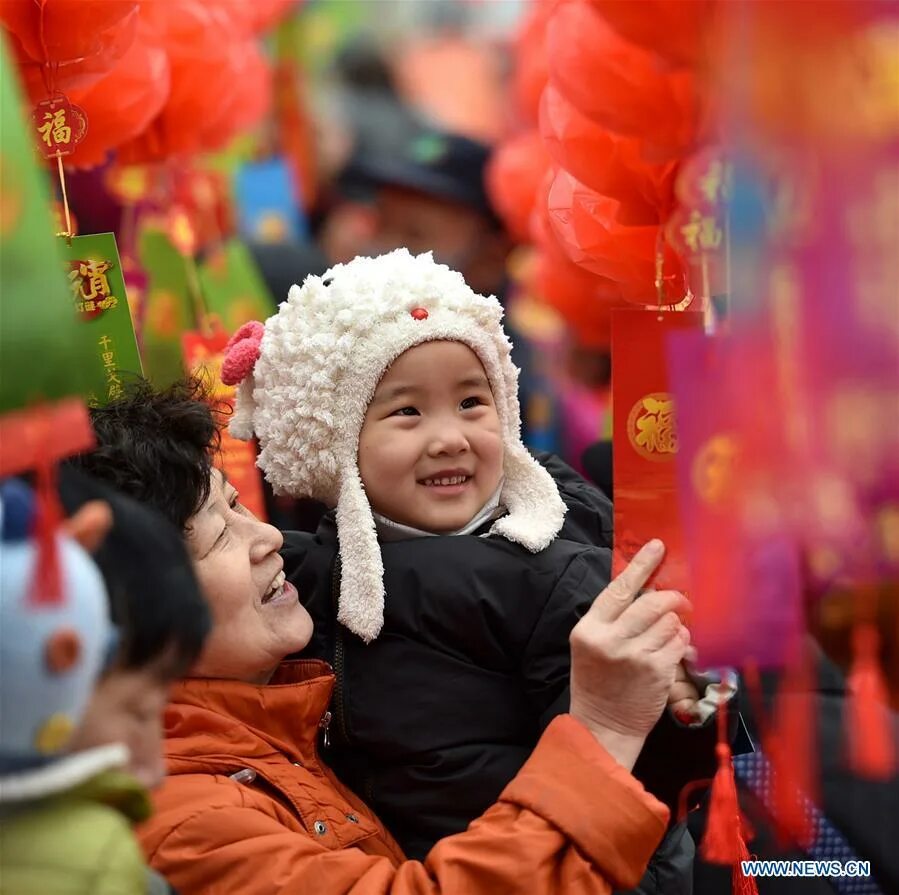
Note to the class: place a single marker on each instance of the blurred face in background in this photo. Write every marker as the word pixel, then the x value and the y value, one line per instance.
pixel 458 235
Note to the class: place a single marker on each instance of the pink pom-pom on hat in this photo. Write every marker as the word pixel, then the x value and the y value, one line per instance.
pixel 242 352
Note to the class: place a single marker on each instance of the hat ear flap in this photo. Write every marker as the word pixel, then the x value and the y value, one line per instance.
pixel 361 603
pixel 241 422
pixel 530 494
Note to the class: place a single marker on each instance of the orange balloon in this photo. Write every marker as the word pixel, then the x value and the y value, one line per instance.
pixel 677 30
pixel 605 161
pixel 514 174
pixel 623 87
pixel 587 227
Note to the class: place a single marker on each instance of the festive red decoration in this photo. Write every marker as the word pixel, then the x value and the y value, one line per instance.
pixel 588 228
pixel 514 174
pixel 871 747
pixel 60 126
pixel 584 300
pixel 419 313
pixel 724 841
pixel 242 352
pixel 531 71
pixel 618 84
pixel 66 44
pixel 676 30
pixel 607 162
pixel 125 101
pixel 220 82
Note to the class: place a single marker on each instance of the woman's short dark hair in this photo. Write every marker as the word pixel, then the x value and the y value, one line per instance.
pixel 155 598
pixel 156 446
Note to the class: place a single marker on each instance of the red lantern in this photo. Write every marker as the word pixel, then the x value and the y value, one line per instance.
pixel 583 300
pixel 513 177
pixel 531 70
pixel 588 228
pixel 676 30
pixel 618 84
pixel 68 43
pixel 605 161
pixel 219 82
pixel 122 104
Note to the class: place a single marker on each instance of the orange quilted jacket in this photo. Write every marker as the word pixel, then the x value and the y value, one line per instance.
pixel 249 809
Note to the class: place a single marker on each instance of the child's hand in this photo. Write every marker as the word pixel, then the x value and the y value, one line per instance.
pixel 683 698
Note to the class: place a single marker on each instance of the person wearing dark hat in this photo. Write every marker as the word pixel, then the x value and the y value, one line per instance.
pixel 429 195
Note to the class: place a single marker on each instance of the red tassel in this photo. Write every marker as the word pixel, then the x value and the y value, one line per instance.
pixel 791 749
pixel 871 747
pixel 743 885
pixel 47 587
pixel 723 842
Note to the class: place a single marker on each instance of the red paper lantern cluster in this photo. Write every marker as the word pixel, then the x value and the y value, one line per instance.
pixel 156 78
pixel 622 107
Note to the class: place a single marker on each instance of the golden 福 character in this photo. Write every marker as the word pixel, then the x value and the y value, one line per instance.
pixel 655 427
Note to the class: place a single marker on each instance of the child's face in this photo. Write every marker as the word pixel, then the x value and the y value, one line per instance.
pixel 430 450
pixel 126 707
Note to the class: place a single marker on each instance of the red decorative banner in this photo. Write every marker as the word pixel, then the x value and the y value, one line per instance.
pixel 60 125
pixel 645 440
pixel 203 355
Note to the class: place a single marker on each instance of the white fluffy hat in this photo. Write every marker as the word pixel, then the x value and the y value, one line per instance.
pixel 306 380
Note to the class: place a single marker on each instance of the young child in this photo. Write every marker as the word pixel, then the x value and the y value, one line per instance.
pixel 66 816
pixel 161 617
pixel 449 577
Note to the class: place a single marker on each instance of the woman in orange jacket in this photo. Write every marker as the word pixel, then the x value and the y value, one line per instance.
pixel 249 809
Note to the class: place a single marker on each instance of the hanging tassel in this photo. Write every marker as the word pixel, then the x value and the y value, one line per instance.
pixel 47 587
pixel 871 747
pixel 723 841
pixel 791 749
pixel 743 885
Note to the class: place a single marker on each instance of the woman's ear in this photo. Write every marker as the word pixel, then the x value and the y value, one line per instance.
pixel 89 525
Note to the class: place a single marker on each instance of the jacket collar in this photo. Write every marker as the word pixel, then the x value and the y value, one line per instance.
pixel 222 723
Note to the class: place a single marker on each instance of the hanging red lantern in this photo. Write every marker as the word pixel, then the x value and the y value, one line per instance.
pixel 623 87
pixel 607 162
pixel 64 44
pixel 531 70
pixel 676 30
pixel 514 174
pixel 124 102
pixel 588 229
pixel 583 300
pixel 219 82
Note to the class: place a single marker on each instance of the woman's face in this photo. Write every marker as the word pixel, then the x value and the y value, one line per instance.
pixel 257 617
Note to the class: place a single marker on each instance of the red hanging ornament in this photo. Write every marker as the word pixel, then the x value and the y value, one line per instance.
pixel 724 841
pixel 619 85
pixel 871 746
pixel 676 30
pixel 791 748
pixel 513 177
pixel 60 126
pixel 605 161
pixel 589 229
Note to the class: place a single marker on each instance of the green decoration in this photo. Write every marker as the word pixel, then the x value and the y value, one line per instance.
pixel 41 344
pixel 169 310
pixel 233 288
pixel 109 358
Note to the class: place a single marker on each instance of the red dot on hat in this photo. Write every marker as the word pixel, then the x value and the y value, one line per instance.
pixel 419 313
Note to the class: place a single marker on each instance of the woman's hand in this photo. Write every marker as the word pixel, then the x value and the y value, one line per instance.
pixel 624 657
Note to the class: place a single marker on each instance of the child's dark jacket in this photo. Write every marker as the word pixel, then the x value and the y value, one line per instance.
pixel 433 719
